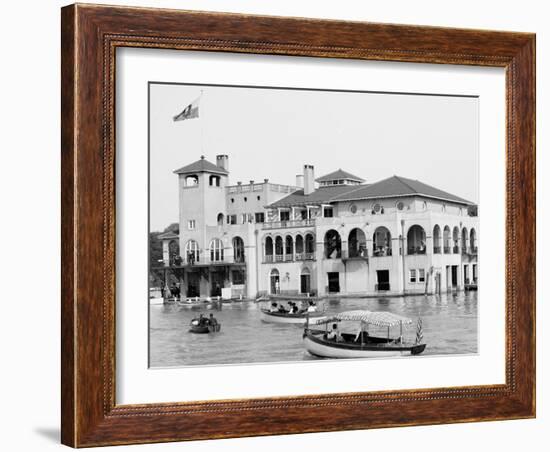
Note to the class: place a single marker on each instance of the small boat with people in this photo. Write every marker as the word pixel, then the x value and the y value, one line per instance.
pixel 292 313
pixel 330 342
pixel 205 325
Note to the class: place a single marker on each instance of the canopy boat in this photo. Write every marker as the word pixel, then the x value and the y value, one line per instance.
pixel 362 345
pixel 202 325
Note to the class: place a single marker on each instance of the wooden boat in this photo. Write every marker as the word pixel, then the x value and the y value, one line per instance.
pixel 285 317
pixel 203 327
pixel 318 342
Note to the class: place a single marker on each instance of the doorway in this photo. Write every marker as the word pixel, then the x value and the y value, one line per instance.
pixel 383 280
pixel 305 281
pixel 193 285
pixel 217 284
pixel 454 275
pixel 274 281
pixel 333 282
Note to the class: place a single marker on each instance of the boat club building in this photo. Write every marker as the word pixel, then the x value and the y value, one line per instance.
pixel 333 235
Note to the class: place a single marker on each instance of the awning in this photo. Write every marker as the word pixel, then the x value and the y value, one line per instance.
pixel 378 318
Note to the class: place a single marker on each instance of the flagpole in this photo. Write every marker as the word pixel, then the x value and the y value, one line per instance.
pixel 201 103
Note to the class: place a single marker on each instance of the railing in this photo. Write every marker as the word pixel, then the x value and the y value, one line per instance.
pixel 455 249
pixel 310 256
pixel 437 250
pixel 473 250
pixel 299 256
pixel 278 258
pixel 288 224
pixel 238 259
pixel 416 250
pixel 382 251
pixel 446 250
pixel 269 257
pixel 464 250
pixel 288 258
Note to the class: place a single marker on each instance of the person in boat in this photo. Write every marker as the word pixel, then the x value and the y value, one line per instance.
pixel 312 307
pixel 274 307
pixel 334 334
pixel 282 309
pixel 295 309
pixel 212 320
pixel 202 320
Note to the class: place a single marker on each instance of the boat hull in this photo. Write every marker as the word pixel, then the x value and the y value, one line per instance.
pixel 324 349
pixel 294 319
pixel 205 329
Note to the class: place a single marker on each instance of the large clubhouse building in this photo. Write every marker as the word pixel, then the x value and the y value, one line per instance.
pixel 332 235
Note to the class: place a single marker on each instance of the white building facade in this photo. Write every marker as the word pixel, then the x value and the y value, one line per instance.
pixel 335 235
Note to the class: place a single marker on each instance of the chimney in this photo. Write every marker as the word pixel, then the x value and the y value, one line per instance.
pixel 222 161
pixel 300 180
pixel 309 179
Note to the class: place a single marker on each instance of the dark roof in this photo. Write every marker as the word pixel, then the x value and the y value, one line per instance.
pixel 321 195
pixel 338 175
pixel 396 186
pixel 201 166
pixel 391 187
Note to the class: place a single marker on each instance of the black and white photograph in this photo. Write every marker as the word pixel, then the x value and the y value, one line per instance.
pixel 303 224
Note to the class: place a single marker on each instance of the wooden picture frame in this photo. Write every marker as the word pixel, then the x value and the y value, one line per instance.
pixel 90 36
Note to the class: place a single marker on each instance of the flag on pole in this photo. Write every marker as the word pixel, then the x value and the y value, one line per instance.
pixel 189 112
pixel 419 333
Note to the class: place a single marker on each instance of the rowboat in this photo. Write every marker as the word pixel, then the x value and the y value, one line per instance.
pixel 285 317
pixel 320 342
pixel 202 325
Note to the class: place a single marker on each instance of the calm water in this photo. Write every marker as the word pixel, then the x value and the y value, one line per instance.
pixel 449 325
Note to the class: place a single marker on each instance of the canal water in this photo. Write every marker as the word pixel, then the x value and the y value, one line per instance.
pixel 449 326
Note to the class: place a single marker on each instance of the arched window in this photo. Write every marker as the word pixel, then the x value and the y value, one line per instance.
pixel 216 250
pixel 192 252
pixel 456 240
pixel 333 245
pixel 289 247
pixel 464 240
pixel 274 281
pixel 220 219
pixel 299 248
pixel 238 250
pixel 416 240
pixel 473 242
pixel 357 243
pixel 174 252
pixel 446 240
pixel 381 242
pixel 214 181
pixel 192 180
pixel 310 246
pixel 268 249
pixel 278 249
pixel 437 239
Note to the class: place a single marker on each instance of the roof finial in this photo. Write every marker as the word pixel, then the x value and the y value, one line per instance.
pixel 202 157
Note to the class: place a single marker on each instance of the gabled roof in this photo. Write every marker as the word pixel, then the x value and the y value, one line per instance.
pixel 323 195
pixel 397 186
pixel 339 174
pixel 168 235
pixel 201 166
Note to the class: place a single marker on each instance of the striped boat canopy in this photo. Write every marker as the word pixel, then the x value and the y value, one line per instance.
pixel 378 318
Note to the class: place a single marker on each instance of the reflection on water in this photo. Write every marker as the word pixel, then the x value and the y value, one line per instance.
pixel 449 322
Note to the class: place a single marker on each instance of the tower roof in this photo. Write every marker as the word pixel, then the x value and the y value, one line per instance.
pixel 201 166
pixel 339 174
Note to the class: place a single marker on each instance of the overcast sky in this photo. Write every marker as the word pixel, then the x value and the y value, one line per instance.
pixel 272 133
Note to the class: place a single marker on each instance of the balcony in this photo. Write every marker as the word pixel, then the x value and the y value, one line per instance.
pixel 382 251
pixel 310 256
pixel 299 256
pixel 437 250
pixel 416 250
pixel 446 250
pixel 455 249
pixel 288 224
pixel 288 258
